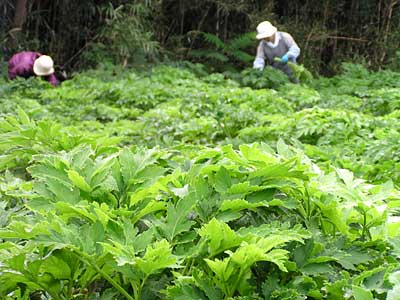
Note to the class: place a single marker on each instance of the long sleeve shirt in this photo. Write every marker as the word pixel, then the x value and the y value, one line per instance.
pixel 267 51
pixel 21 64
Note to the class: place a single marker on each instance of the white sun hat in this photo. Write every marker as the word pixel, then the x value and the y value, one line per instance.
pixel 265 29
pixel 43 66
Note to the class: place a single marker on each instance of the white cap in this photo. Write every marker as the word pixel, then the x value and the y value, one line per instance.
pixel 265 29
pixel 43 66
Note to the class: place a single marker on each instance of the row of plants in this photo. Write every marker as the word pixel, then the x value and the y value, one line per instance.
pixel 202 223
pixel 352 116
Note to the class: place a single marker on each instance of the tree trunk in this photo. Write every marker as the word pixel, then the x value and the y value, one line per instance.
pixel 18 21
pixel 387 29
pixel 20 13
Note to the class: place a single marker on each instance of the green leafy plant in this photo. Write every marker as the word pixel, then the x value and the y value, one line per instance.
pixel 127 32
pixel 299 71
pixel 224 52
pixel 173 184
pixel 268 78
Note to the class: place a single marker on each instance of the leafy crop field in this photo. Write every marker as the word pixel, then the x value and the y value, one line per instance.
pixel 171 183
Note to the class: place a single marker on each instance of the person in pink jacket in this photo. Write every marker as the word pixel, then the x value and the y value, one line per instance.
pixel 27 63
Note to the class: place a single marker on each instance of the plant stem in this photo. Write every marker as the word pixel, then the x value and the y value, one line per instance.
pixel 44 287
pixel 364 226
pixel 139 294
pixel 308 202
pixel 88 260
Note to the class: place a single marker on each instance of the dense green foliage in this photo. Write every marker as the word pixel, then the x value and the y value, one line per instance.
pixel 171 183
pixel 328 32
pixel 227 53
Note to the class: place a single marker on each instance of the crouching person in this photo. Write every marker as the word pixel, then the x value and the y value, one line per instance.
pixel 275 44
pixel 27 64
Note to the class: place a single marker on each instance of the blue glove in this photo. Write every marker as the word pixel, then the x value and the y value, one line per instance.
pixel 285 58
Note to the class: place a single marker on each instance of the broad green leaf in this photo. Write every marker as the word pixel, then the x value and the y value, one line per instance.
pixel 46 171
pixel 122 254
pixel 153 188
pixel 157 257
pixel 335 215
pixel 350 259
pixel 17 262
pixel 145 193
pixel 63 192
pixel 233 155
pixel 279 239
pixel 58 268
pixel 23 117
pixel 133 163
pixel 80 157
pixel 282 170
pixel 21 230
pixel 278 257
pixel 142 240
pixel 394 293
pixel 181 192
pixel 177 221
pixel 40 204
pixel 128 166
pixel 184 291
pixel 243 188
pixel 228 216
pixel 359 279
pixel 125 248
pixel 79 181
pixel 290 203
pixel 82 211
pixel 11 281
pixel 103 212
pixel 219 237
pixel 151 207
pixel 240 204
pixel 232 273
pixel 283 149
pixel 316 269
pixel 347 177
pixel 276 231
pixel 253 153
pixel 222 180
pixel 206 285
pixel 103 168
pixel 360 293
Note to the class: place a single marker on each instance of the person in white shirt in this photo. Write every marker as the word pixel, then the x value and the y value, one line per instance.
pixel 274 44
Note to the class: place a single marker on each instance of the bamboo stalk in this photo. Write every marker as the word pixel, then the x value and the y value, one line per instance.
pixel 387 29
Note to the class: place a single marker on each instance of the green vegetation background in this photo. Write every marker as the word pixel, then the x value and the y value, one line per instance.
pixel 80 34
